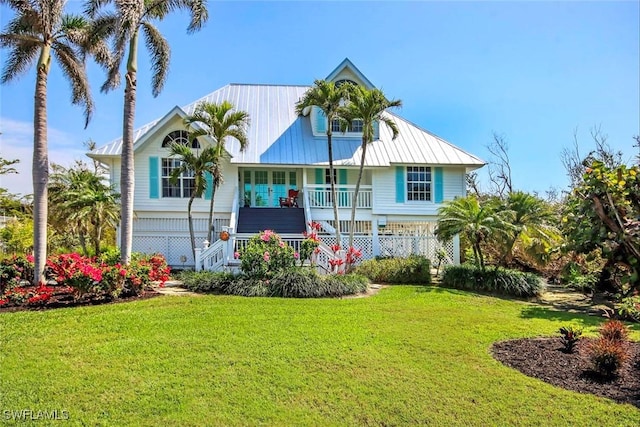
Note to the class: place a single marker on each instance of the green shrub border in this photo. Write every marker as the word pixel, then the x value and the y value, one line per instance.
pixel 414 269
pixel 298 282
pixel 493 280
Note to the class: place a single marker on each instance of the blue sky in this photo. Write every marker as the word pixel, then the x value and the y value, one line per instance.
pixel 534 72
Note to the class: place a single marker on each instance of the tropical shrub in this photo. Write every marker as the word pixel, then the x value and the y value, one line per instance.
pixel 614 330
pixel 414 269
pixel 629 308
pixel 266 255
pixel 77 278
pixel 609 352
pixel 602 213
pixel 569 336
pixel 607 356
pixel 14 270
pixel 494 280
pixel 207 281
pixel 292 283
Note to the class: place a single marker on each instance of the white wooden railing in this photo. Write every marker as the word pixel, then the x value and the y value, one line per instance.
pixel 211 258
pixel 319 196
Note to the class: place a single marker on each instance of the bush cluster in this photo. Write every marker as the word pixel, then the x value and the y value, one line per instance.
pixel 609 351
pixel 494 280
pixel 290 283
pixel 414 269
pixel 78 277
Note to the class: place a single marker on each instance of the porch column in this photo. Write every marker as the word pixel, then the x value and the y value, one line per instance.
pixel 375 243
pixel 456 250
pixel 198 259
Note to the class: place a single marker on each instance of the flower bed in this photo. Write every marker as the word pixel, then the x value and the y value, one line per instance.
pixel 73 279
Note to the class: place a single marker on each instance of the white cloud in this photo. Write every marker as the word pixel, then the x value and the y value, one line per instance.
pixel 16 142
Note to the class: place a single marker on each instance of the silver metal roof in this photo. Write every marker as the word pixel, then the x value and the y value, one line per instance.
pixel 277 135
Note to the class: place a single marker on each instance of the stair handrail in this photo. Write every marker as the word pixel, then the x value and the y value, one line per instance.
pixel 307 209
pixel 235 209
pixel 325 253
pixel 210 258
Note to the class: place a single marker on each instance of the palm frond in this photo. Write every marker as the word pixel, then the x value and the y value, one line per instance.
pixel 160 53
pixel 76 74
pixel 21 57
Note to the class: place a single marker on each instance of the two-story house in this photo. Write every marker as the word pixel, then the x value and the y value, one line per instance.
pixel 405 180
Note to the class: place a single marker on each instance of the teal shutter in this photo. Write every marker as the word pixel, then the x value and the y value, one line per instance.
pixel 321 121
pixel 342 176
pixel 400 184
pixel 342 179
pixel 438 184
pixel 376 130
pixel 208 192
pixel 154 178
pixel 319 176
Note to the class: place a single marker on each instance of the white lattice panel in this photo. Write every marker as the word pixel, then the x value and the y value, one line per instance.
pixel 179 247
pixel 363 243
pixel 149 244
pixel 403 246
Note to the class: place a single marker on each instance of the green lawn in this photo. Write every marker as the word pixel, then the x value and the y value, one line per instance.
pixel 407 356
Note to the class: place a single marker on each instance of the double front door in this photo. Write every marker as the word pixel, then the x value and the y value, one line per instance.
pixel 264 187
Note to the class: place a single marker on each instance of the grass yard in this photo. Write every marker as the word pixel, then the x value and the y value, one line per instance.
pixel 409 355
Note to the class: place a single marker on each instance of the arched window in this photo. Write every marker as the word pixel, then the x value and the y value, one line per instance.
pixel 343 81
pixel 180 137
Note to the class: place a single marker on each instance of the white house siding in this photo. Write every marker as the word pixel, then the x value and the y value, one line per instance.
pixel 384 193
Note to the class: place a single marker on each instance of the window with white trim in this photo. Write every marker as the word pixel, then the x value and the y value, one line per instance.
pixel 356 125
pixel 418 183
pixel 180 137
pixel 184 186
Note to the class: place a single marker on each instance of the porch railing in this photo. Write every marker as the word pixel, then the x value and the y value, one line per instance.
pixel 320 196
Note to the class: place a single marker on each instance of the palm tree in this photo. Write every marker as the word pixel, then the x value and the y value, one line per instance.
pixel 329 98
pixel 530 219
pixel 369 106
pixel 39 32
pixel 124 24
pixel 198 165
pixel 474 221
pixel 218 121
pixel 84 204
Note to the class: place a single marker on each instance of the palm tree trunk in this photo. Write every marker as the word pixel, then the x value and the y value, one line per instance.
pixel 40 171
pixel 127 179
pixel 193 237
pixel 213 196
pixel 333 187
pixel 354 204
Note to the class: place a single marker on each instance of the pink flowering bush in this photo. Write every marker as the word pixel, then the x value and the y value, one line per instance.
pixel 77 278
pixel 266 255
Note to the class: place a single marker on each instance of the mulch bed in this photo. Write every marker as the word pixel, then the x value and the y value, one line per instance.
pixel 61 301
pixel 543 358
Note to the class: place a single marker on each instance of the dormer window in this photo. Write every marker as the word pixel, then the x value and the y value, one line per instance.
pixel 179 137
pixel 355 126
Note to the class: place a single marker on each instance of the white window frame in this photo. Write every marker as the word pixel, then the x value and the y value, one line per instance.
pixel 426 183
pixel 182 187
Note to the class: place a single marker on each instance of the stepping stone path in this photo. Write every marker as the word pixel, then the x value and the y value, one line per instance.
pixel 562 298
pixel 174 288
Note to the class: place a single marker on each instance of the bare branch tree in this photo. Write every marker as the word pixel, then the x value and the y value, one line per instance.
pixel 473 186
pixel 574 162
pixel 499 166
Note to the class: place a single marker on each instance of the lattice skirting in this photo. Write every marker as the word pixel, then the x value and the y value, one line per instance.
pixel 176 249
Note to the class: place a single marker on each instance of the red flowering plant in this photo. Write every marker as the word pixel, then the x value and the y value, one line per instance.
pixel 15 270
pixel 77 271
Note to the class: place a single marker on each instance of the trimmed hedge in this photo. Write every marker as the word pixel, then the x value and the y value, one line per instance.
pixel 292 283
pixel 414 269
pixel 495 280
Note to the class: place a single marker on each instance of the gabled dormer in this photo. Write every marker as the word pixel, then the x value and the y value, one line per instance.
pixel 346 72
